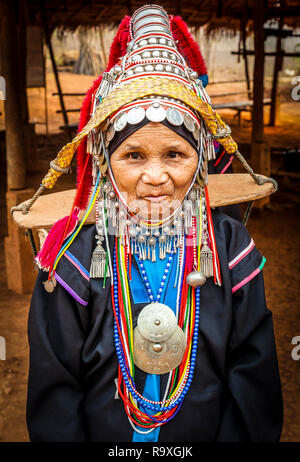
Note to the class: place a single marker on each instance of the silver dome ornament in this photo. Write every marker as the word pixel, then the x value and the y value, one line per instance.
pixel 152 41
pixel 118 69
pixel 194 75
pixel 159 67
pixel 149 68
pixel 139 69
pixel 135 115
pixel 143 43
pixel 146 54
pixel 195 279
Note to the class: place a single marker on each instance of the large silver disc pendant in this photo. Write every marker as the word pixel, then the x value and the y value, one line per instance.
pixel 156 322
pixel 158 357
pixel 195 279
pixel 50 284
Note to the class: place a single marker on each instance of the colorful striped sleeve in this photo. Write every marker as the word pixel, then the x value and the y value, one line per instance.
pixel 246 263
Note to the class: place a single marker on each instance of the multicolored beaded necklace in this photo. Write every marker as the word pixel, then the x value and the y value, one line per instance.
pixel 136 406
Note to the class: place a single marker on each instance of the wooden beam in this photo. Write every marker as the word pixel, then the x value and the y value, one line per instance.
pixel 277 68
pixel 15 154
pixel 258 79
pixel 243 31
pixel 270 53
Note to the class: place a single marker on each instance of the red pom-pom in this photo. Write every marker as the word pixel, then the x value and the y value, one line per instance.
pixel 47 255
pixel 187 45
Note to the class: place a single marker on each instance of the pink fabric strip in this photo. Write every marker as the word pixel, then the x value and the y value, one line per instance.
pixel 247 279
pixel 227 165
pixel 241 255
pixel 76 266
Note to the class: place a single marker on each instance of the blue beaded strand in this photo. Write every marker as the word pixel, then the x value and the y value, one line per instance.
pixel 163 281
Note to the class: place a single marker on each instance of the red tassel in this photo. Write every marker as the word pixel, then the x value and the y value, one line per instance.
pixel 47 255
pixel 187 45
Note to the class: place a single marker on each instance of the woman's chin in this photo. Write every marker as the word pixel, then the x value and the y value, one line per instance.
pixel 155 209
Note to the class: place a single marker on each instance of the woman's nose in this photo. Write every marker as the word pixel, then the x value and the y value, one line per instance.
pixel 155 174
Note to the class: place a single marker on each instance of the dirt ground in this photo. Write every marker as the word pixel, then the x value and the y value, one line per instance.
pixel 275 232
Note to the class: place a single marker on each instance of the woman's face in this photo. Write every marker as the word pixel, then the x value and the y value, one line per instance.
pixel 153 169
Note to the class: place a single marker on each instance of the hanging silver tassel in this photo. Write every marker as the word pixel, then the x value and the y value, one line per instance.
pixel 206 261
pixel 98 262
pixel 99 255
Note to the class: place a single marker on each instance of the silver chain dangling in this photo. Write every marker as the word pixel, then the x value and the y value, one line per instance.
pixel 99 255
pixel 206 255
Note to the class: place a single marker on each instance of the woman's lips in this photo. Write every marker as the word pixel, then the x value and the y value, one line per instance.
pixel 155 198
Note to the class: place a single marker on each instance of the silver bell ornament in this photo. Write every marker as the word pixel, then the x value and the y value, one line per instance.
pixel 195 279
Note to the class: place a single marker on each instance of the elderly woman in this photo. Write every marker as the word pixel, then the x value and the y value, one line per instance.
pixel 153 325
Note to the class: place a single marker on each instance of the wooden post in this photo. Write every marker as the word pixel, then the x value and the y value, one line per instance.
pixel 245 57
pixel 61 98
pixel 16 167
pixel 260 153
pixel 18 258
pixel 277 68
pixel 30 149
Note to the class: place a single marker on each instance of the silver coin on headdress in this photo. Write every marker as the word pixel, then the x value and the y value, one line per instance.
pixel 189 122
pixel 136 115
pixel 155 113
pixel 196 132
pixel 174 116
pixel 110 132
pixel 120 122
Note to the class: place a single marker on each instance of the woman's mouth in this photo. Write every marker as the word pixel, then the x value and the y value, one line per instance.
pixel 155 198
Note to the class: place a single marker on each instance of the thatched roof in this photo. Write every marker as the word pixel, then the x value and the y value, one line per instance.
pixel 219 13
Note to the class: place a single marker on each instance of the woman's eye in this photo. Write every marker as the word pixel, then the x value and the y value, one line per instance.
pixel 134 155
pixel 174 154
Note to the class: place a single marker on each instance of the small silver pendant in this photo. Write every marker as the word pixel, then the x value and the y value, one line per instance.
pixel 50 284
pixel 195 279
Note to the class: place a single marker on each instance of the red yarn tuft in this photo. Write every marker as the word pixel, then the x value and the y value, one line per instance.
pixel 187 45
pixel 117 50
pixel 47 255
